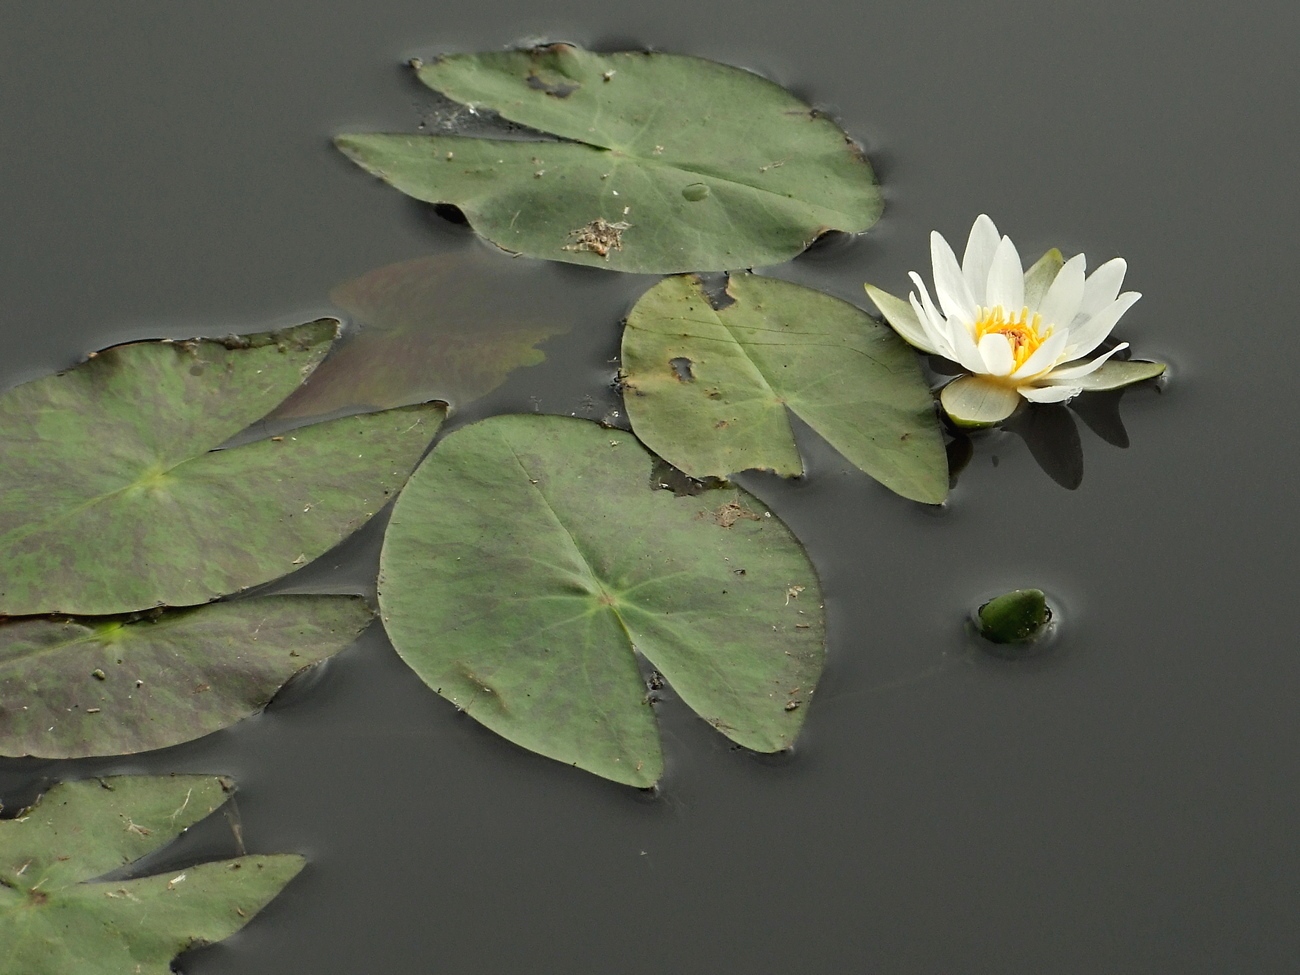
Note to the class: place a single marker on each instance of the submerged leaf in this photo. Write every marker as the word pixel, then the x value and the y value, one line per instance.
pixel 528 562
pixel 114 498
pixel 669 163
pixel 708 389
pixel 56 918
pixel 71 688
pixel 448 327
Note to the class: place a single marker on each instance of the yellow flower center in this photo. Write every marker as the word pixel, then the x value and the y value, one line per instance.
pixel 1025 332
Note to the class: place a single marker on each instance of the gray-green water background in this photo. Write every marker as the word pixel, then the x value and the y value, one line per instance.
pixel 1126 804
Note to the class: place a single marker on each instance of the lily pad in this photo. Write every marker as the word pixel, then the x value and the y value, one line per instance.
pixel 76 687
pixel 710 388
pixel 444 327
pixel 529 561
pixel 114 498
pixel 668 163
pixel 57 918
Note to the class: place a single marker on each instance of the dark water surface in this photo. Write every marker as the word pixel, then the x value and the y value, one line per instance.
pixel 1124 804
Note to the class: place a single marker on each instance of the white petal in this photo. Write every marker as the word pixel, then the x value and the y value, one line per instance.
pixel 1045 356
pixel 963 343
pixel 1062 299
pixel 975 264
pixel 902 318
pixel 1049 394
pixel 1006 279
pixel 932 323
pixel 1102 287
pixel 953 338
pixel 949 285
pixel 1071 373
pixel 1092 332
pixel 995 350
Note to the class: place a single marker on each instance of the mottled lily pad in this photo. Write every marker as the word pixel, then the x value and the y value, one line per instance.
pixel 529 561
pixel 76 687
pixel 710 389
pixel 114 498
pixel 667 163
pixel 56 918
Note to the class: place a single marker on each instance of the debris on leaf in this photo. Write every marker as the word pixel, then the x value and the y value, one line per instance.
pixel 732 512
pixel 599 237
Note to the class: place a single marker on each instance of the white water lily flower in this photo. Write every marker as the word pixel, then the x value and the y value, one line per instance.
pixel 1018 334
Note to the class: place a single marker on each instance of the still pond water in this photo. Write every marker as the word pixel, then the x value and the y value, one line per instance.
pixel 1124 803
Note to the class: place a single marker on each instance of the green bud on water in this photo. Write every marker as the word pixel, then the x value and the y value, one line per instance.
pixel 1015 617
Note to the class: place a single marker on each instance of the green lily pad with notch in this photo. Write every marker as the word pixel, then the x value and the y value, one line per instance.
pixel 114 497
pixel 70 688
pixel 668 163
pixel 530 560
pixel 710 388
pixel 56 917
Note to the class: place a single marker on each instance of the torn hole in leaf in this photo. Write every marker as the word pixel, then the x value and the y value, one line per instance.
pixel 665 477
pixel 682 369
pixel 714 287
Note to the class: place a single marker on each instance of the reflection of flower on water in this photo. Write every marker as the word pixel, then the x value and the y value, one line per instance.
pixel 1019 334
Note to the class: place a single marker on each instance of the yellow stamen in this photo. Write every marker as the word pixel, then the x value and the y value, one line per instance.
pixel 1025 332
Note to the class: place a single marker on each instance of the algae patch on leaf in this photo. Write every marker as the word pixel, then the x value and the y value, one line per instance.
pixel 529 562
pixel 57 917
pixel 660 163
